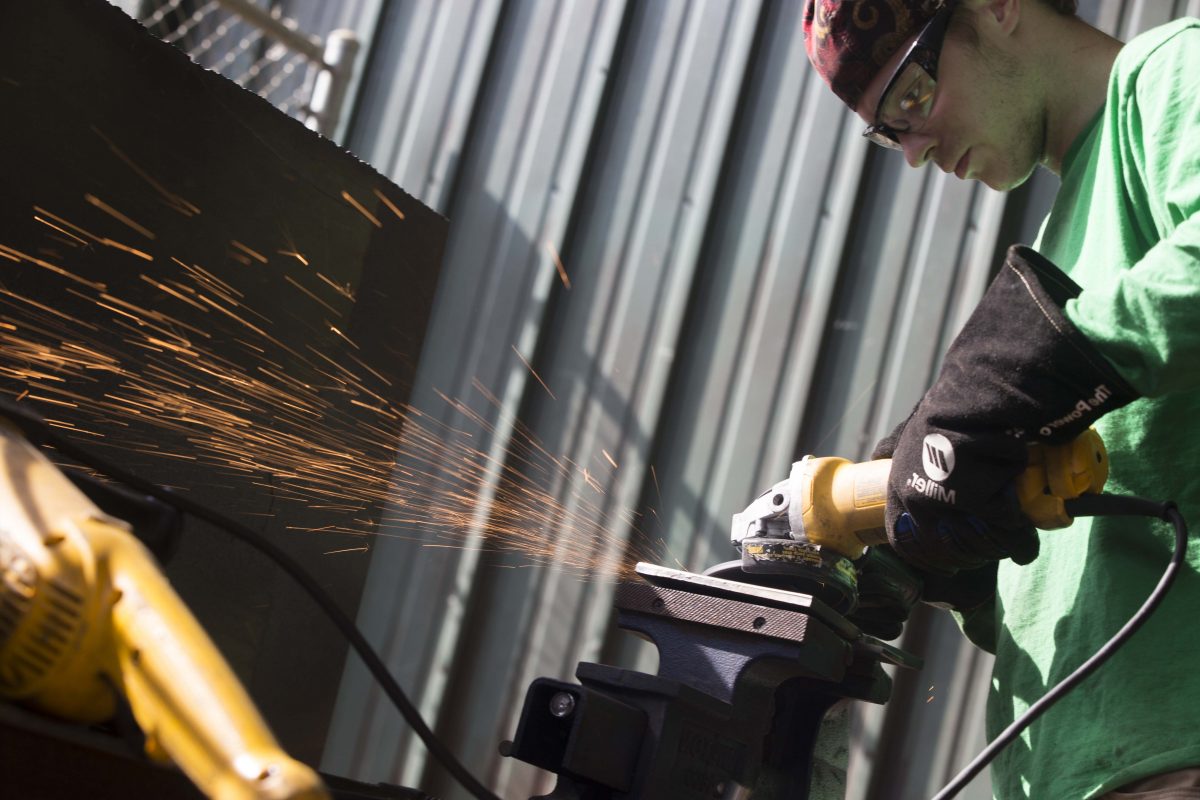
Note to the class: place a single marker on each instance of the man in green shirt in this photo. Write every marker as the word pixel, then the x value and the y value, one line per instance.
pixel 1098 324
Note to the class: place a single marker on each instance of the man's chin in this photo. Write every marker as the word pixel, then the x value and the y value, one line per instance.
pixel 1006 181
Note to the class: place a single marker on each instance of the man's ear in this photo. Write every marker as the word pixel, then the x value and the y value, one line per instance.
pixel 1002 14
pixel 1005 13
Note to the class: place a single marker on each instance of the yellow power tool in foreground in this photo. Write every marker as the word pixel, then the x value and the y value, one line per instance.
pixel 85 615
pixel 805 532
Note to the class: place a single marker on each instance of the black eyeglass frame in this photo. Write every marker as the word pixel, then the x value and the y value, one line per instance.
pixel 925 51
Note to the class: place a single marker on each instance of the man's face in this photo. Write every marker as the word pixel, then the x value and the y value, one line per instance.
pixel 984 123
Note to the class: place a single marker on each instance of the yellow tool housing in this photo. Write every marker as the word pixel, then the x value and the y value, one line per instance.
pixel 841 503
pixel 86 614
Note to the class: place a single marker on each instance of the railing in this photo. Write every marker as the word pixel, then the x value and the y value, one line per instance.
pixel 303 75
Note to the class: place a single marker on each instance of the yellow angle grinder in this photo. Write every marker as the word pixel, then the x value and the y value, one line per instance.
pixel 806 533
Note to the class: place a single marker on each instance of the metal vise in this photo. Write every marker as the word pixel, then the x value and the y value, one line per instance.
pixel 746 674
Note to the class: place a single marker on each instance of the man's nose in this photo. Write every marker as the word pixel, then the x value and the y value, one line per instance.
pixel 918 148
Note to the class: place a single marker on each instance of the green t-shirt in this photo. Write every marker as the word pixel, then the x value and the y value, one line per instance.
pixel 1126 226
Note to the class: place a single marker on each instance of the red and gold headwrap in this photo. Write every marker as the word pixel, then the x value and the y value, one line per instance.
pixel 848 41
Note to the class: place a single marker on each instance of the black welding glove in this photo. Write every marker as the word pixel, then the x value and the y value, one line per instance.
pixel 889 587
pixel 1018 372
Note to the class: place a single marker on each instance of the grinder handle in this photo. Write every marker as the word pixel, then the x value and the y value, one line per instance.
pixel 842 503
pixel 1057 473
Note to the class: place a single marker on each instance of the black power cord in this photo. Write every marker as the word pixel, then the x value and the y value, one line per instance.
pixel 1100 505
pixel 39 432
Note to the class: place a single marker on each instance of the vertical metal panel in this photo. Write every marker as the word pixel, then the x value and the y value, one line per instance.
pixel 633 254
pixel 413 124
pixel 747 284
pixel 509 194
pixel 763 286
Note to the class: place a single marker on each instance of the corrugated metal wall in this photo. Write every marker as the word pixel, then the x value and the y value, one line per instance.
pixel 659 209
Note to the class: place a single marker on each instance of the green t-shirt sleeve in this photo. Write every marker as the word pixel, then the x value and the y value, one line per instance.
pixel 1147 321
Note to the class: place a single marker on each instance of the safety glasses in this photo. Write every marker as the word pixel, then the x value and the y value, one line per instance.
pixel 908 96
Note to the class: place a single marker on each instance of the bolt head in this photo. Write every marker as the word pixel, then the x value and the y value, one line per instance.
pixel 562 704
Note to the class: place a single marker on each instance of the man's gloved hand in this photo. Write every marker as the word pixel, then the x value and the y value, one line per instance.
pixel 888 588
pixel 887 591
pixel 1018 372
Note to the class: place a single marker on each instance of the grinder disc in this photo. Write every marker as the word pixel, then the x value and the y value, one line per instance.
pixel 795 566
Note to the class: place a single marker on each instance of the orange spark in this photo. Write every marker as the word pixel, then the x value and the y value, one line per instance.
pixel 260 424
pixel 533 372
pixel 391 206
pixel 126 248
pixel 295 283
pixel 173 200
pixel 211 282
pixel 257 256
pixel 52 400
pixel 361 209
pixel 592 482
pixel 345 291
pixel 49 224
pixel 368 368
pixel 52 267
pixel 63 222
pixel 562 272
pixel 168 290
pixel 67 242
pixel 117 215
pixel 294 255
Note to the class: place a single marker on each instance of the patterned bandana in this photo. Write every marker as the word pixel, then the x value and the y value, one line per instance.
pixel 848 41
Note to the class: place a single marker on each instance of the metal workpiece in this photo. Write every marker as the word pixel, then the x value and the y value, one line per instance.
pixel 746 674
pixel 723 581
pixel 759 611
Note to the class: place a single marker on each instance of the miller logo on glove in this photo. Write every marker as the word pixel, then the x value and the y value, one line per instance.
pixel 1018 372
